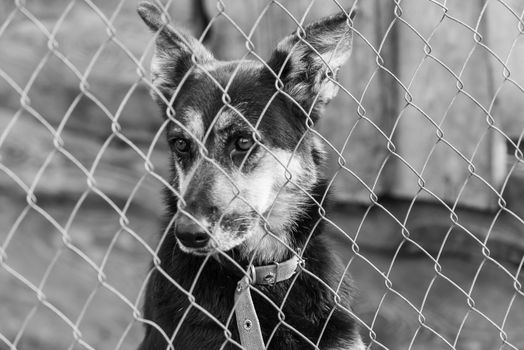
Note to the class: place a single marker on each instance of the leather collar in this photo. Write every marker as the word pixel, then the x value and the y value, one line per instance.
pixel 274 273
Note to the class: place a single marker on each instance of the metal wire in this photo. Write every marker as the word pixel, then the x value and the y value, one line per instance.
pixel 500 78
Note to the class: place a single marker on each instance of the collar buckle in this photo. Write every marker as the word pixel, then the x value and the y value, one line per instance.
pixel 276 272
pixel 271 276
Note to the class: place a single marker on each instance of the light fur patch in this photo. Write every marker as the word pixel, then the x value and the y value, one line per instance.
pixel 184 179
pixel 335 59
pixel 230 117
pixel 179 176
pixel 226 118
pixel 357 344
pixel 194 122
pixel 157 72
pixel 268 191
pixel 318 145
pixel 327 91
pixel 223 239
pixel 260 187
pixel 160 66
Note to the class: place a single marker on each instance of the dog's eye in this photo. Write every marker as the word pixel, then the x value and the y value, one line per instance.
pixel 243 143
pixel 181 145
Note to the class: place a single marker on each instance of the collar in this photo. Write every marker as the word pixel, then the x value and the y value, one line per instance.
pixel 274 273
pixel 246 316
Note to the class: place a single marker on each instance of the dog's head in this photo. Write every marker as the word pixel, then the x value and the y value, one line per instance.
pixel 243 152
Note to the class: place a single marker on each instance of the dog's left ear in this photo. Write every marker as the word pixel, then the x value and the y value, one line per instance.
pixel 305 60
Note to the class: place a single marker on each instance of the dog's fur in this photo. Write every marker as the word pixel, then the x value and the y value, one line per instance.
pixel 257 205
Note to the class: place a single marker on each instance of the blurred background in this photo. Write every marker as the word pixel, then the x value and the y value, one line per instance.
pixel 425 143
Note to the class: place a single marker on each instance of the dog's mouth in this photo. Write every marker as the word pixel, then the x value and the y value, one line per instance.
pixel 209 249
pixel 198 251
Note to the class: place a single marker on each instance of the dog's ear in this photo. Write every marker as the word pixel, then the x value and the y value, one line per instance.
pixel 173 50
pixel 306 58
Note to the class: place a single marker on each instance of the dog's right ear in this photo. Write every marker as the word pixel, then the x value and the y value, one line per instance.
pixel 173 50
pixel 305 58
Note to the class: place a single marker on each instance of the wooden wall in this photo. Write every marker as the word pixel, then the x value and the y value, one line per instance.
pixel 389 56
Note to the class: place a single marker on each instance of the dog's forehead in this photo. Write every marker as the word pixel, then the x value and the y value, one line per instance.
pixel 251 103
pixel 222 95
pixel 193 121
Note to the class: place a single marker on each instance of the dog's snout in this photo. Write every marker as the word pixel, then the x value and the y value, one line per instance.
pixel 190 233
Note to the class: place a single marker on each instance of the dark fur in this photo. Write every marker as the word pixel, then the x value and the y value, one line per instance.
pixel 310 304
pixel 307 308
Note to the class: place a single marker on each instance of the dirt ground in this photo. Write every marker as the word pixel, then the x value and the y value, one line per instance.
pixel 101 305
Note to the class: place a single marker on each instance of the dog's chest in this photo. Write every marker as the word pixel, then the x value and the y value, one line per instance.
pixel 205 319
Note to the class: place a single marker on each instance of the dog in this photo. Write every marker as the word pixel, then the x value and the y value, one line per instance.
pixel 245 196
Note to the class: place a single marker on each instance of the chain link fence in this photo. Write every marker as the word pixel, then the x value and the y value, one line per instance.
pixel 426 165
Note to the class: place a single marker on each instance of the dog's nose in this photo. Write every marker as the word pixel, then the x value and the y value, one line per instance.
pixel 190 234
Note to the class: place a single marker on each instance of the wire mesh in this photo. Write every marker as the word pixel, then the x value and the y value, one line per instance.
pixel 425 144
